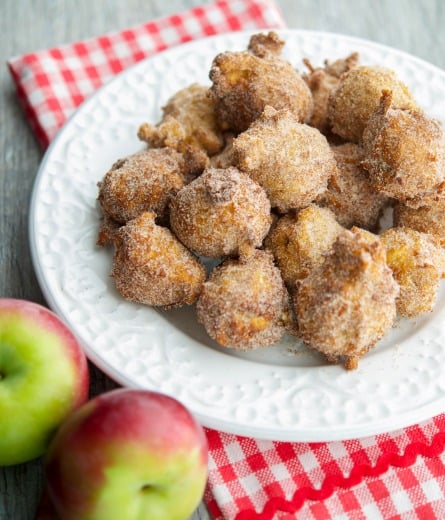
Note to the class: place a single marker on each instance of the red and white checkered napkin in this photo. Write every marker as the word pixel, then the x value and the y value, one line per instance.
pixel 52 83
pixel 400 475
pixel 395 476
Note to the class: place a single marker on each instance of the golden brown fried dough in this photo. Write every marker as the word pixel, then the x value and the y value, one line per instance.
pixel 244 304
pixel 144 181
pixel 291 160
pixel 404 153
pixel 299 241
pixel 418 265
pixel 350 195
pixel 107 231
pixel 219 212
pixel 265 45
pixel 224 159
pixel 427 219
pixel 258 138
pixel 188 120
pixel 152 267
pixel 321 81
pixel 243 83
pixel 357 96
pixel 348 303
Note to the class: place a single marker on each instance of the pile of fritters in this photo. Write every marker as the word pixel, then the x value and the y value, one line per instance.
pixel 282 178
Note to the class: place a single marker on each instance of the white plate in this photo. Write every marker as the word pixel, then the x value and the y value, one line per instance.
pixel 280 393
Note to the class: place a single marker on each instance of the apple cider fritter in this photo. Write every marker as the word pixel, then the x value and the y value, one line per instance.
pixel 418 264
pixel 145 181
pixel 188 120
pixel 152 267
pixel 292 161
pixel 348 303
pixel 244 303
pixel 350 194
pixel 243 83
pixel 427 219
pixel 357 96
pixel 404 153
pixel 300 240
pixel 219 212
pixel 321 81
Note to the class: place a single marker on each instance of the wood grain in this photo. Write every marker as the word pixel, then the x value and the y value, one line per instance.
pixel 27 25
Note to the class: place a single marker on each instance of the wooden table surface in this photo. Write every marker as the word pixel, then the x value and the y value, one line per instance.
pixel 417 27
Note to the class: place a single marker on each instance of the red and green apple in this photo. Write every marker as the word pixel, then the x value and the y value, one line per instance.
pixel 128 454
pixel 43 378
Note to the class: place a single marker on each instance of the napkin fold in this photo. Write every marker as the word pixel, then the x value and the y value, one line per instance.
pixel 399 475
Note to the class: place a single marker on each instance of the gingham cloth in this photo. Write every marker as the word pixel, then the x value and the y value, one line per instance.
pixel 400 475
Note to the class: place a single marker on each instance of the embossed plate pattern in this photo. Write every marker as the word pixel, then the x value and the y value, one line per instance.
pixel 281 393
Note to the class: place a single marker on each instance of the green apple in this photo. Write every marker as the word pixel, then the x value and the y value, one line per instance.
pixel 43 378
pixel 128 454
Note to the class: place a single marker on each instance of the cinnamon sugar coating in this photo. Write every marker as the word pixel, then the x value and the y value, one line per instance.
pixel 291 160
pixel 244 304
pixel 357 96
pixel 404 153
pixel 348 303
pixel 152 267
pixel 300 240
pixel 350 194
pixel 418 264
pixel 266 45
pixel 219 212
pixel 144 181
pixel 189 119
pixel 224 158
pixel 243 83
pixel 427 219
pixel 321 81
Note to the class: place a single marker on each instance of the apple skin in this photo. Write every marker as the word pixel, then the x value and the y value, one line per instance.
pixel 128 454
pixel 43 378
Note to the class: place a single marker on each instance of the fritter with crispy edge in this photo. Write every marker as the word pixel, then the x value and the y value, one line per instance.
pixel 152 267
pixel 348 303
pixel 219 212
pixel 243 83
pixel 418 264
pixel 188 120
pixel 321 80
pixel 404 153
pixel 350 195
pixel 427 219
pixel 292 161
pixel 300 240
pixel 144 181
pixel 244 303
pixel 357 96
